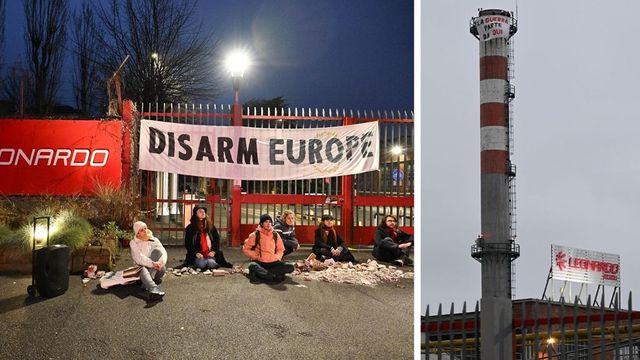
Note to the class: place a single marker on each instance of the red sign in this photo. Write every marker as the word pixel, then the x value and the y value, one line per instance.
pixel 59 157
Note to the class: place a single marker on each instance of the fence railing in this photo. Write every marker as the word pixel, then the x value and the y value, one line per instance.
pixel 169 198
pixel 541 330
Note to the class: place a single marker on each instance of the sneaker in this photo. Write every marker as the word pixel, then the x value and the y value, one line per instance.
pixel 398 262
pixel 253 279
pixel 155 293
pixel 409 262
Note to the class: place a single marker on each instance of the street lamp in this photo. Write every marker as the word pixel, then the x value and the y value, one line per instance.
pixel 156 60
pixel 236 64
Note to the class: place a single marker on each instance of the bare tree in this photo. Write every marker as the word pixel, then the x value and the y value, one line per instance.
pixel 87 87
pixel 172 60
pixel 45 37
pixel 3 6
pixel 275 104
pixel 16 88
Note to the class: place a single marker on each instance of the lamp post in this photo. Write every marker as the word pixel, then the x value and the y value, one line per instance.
pixel 236 63
pixel 166 183
pixel 155 59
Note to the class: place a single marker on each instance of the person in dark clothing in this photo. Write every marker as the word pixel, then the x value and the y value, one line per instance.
pixel 391 243
pixel 264 248
pixel 285 227
pixel 202 241
pixel 328 244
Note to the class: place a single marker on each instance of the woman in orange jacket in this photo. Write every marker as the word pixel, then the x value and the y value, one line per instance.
pixel 265 249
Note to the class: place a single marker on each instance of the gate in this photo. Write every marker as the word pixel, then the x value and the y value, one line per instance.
pixel 358 202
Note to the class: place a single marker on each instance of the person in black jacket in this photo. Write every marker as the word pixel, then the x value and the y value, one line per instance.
pixel 391 243
pixel 328 244
pixel 202 241
pixel 286 228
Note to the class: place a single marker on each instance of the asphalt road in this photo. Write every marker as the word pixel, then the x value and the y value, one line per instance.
pixel 205 317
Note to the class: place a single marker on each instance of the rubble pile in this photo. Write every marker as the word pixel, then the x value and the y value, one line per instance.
pixel 216 272
pixel 369 273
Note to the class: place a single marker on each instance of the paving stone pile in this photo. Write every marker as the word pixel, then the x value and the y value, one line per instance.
pixel 369 273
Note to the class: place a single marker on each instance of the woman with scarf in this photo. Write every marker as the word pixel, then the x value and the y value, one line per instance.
pixel 328 244
pixel 203 242
pixel 391 243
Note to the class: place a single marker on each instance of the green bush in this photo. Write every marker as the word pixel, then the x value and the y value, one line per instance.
pixel 118 205
pixel 108 235
pixel 10 239
pixel 65 228
pixel 71 230
pixel 17 211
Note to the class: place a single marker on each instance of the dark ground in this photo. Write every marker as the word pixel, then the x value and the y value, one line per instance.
pixel 205 317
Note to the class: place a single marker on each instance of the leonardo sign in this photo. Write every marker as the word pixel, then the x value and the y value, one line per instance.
pixel 585 266
pixel 59 157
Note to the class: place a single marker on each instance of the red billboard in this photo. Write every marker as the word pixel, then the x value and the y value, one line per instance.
pixel 59 157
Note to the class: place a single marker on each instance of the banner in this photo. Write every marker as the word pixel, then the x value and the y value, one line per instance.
pixel 492 27
pixel 234 152
pixel 59 157
pixel 584 266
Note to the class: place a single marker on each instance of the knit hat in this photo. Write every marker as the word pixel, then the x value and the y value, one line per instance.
pixel 265 217
pixel 327 217
pixel 137 226
pixel 198 207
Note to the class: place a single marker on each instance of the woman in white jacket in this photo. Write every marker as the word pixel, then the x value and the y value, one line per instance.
pixel 148 252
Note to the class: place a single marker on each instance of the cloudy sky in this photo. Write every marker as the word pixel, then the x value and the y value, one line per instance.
pixel 576 140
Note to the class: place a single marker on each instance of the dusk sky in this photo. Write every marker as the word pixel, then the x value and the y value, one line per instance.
pixel 576 142
pixel 355 54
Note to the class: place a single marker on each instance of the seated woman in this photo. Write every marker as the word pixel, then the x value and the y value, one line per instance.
pixel 202 241
pixel 391 243
pixel 286 228
pixel 147 251
pixel 265 249
pixel 328 244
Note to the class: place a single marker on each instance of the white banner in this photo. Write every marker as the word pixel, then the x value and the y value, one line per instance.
pixel 234 152
pixel 585 266
pixel 492 27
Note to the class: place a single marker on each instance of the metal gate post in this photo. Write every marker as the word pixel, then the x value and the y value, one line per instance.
pixel 127 125
pixel 347 193
pixel 236 189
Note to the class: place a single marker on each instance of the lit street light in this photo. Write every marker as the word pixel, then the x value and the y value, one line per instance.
pixel 156 64
pixel 236 64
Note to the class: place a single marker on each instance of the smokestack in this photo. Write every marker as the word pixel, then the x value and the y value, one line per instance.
pixel 495 248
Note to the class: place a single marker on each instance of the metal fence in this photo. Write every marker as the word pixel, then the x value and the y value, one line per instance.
pixel 541 330
pixel 167 199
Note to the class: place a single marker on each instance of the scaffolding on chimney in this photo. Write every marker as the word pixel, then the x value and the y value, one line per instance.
pixel 510 94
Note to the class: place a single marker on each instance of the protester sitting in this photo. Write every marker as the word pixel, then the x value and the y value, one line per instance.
pixel 148 252
pixel 265 250
pixel 203 242
pixel 328 244
pixel 285 227
pixel 391 243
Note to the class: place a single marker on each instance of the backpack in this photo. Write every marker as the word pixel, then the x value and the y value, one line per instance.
pixel 275 239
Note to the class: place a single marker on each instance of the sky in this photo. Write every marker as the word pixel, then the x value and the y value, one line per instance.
pixel 576 141
pixel 320 54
